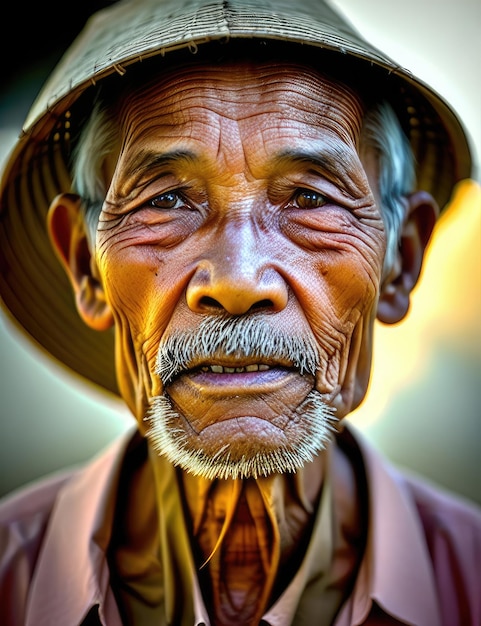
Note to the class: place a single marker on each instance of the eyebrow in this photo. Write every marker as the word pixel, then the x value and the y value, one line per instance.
pixel 337 162
pixel 323 158
pixel 147 160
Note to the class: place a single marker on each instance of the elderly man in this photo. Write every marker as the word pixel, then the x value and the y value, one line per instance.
pixel 235 193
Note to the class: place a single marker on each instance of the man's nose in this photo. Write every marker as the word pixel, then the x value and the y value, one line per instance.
pixel 236 278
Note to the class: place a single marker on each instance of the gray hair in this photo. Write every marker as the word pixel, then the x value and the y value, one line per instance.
pixel 96 142
pixel 381 132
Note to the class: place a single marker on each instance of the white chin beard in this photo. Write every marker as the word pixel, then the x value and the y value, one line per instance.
pixel 310 436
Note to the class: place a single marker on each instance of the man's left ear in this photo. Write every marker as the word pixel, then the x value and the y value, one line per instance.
pixel 66 227
pixel 421 214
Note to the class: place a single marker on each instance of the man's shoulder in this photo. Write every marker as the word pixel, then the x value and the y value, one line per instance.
pixel 24 518
pixel 452 530
pixel 46 527
pixel 33 500
pixel 37 499
pixel 444 529
pixel 446 517
pixel 432 496
pixel 438 508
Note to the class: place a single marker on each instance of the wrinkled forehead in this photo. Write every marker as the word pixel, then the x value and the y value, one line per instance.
pixel 244 89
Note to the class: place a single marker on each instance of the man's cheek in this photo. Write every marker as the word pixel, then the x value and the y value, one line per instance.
pixel 135 363
pixel 339 328
pixel 334 343
pixel 138 329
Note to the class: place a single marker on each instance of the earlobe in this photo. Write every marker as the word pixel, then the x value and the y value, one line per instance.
pixel 68 236
pixel 394 301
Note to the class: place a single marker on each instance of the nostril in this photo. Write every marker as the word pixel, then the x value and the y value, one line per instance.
pixel 206 302
pixel 262 304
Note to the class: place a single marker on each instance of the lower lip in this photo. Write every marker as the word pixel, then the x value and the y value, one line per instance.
pixel 236 382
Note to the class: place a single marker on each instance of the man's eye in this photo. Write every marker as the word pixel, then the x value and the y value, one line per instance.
pixel 169 200
pixel 306 199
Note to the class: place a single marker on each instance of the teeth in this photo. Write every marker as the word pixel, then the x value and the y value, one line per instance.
pixel 219 369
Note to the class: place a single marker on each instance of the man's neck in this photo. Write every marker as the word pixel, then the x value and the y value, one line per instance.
pixel 245 540
pixel 249 535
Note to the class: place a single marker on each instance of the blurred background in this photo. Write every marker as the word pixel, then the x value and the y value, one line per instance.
pixel 423 406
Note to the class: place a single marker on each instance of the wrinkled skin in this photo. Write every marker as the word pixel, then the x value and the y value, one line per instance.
pixel 239 238
pixel 241 191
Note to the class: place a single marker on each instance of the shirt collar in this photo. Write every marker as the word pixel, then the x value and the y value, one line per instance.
pixel 396 570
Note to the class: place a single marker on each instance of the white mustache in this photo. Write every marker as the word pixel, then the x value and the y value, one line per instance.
pixel 237 337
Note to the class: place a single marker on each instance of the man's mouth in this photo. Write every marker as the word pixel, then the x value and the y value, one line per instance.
pixel 244 366
pixel 245 347
pixel 221 369
pixel 221 380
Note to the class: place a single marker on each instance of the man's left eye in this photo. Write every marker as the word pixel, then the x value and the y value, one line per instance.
pixel 168 200
pixel 307 199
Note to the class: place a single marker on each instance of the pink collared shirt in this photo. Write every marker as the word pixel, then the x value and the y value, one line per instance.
pixel 421 566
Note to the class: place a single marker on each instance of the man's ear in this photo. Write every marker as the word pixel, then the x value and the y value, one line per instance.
pixel 421 214
pixel 66 227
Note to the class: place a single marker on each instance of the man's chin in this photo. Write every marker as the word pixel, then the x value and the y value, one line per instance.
pixel 243 446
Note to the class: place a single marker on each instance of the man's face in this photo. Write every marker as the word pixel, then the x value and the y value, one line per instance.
pixel 240 212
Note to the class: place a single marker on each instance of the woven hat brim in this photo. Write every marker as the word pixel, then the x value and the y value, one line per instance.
pixel 33 286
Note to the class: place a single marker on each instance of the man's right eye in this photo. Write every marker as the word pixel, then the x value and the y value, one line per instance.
pixel 168 200
pixel 307 199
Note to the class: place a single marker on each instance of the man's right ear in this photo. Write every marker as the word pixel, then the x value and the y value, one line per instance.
pixel 66 228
